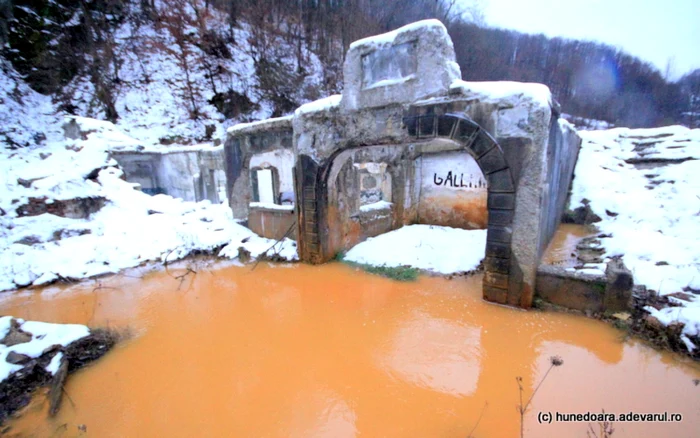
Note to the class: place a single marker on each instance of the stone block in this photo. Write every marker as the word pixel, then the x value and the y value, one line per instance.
pixel 497 264
pixel 500 217
pixel 499 234
pixel 445 125
pixel 494 294
pixel 500 181
pixel 618 288
pixel 482 144
pixel 492 161
pixel 427 126
pixel 466 131
pixel 414 62
pixel 501 201
pixel 495 249
pixel 496 280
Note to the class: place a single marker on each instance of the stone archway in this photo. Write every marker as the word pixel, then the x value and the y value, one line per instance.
pixel 312 192
pixel 501 190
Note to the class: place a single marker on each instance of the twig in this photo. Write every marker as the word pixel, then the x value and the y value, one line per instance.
pixel 72 403
pixel 555 361
pixel 278 241
pixel 478 420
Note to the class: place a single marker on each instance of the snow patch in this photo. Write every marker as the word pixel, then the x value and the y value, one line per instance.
pixel 44 335
pixel 432 248
pixel 379 205
pixel 325 104
pixel 644 185
pixel 538 94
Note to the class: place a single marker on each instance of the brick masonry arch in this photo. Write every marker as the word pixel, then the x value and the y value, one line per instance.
pixel 500 192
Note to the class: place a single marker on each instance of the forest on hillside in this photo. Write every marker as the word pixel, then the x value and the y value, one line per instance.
pixel 85 53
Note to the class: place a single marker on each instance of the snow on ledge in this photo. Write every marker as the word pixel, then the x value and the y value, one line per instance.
pixel 271 206
pixel 380 205
pixel 389 37
pixel 324 104
pixel 432 248
pixel 505 90
pixel 261 125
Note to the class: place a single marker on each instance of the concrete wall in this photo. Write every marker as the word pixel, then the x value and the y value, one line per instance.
pixel 350 221
pixel 193 175
pixel 283 161
pixel 273 223
pixel 269 141
pixel 453 191
pixel 562 153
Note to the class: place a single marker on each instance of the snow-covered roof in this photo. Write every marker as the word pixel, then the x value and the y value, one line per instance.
pixel 389 37
pixel 261 125
pixel 498 91
pixel 324 104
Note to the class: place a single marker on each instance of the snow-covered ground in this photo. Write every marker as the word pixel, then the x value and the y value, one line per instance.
pixel 432 248
pixel 584 124
pixel 43 336
pixel 130 229
pixel 645 186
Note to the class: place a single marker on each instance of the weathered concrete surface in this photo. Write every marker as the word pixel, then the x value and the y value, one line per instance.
pixel 266 143
pixel 414 62
pixel 453 191
pixel 273 223
pixel 586 292
pixel 192 175
pixel 403 104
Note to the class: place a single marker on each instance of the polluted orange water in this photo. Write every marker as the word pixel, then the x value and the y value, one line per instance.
pixel 330 351
pixel 561 248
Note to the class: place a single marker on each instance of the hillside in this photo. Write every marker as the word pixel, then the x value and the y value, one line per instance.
pixel 182 71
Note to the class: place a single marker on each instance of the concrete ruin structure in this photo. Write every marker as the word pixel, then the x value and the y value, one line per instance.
pixel 189 173
pixel 409 142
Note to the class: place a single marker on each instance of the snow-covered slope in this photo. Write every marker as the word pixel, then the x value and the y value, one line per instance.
pixel 130 229
pixel 644 184
pixel 168 80
pixel 27 117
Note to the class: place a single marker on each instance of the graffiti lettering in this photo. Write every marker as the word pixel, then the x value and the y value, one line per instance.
pixel 457 180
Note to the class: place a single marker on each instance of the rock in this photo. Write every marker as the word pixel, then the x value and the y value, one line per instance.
pixel 244 255
pixel 681 296
pixel 653 323
pixel 15 335
pixel 27 182
pixel 618 290
pixel 17 358
pixel 29 240
pixel 71 130
pixel 622 316
pixel 44 155
pixel 39 137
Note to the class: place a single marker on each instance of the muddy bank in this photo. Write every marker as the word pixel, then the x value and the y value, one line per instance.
pixel 49 369
pixel 577 277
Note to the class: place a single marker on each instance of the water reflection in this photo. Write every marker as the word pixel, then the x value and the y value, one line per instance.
pixel 435 354
pixel 331 351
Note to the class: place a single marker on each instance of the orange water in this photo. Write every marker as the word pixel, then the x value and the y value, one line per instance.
pixel 561 248
pixel 330 351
